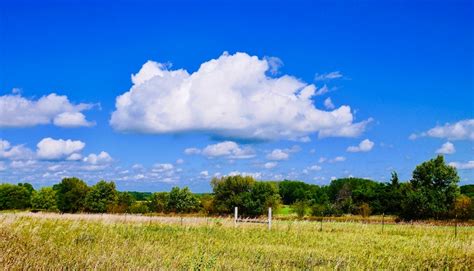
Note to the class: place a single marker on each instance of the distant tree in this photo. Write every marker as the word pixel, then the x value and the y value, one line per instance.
pixel 230 192
pixel 44 199
pixel 140 196
pixel 159 202
pixel 292 191
pixel 300 207
pixel 182 201
pixel 124 201
pixel 207 203
pixel 364 209
pixel 390 196
pixel 28 187
pixel 139 207
pixel 14 197
pixel 71 194
pixel 101 197
pixel 344 200
pixel 464 208
pixel 468 190
pixel 432 191
pixel 348 193
pixel 251 197
pixel 262 196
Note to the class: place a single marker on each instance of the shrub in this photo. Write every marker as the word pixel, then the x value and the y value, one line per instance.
pixel 364 210
pixel 300 208
pixel 139 207
pixel 14 197
pixel 101 197
pixel 44 199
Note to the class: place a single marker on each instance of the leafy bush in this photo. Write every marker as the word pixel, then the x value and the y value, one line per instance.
pixel 14 197
pixel 44 199
pixel 139 207
pixel 101 197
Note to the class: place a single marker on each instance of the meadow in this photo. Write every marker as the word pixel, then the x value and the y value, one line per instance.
pixel 105 241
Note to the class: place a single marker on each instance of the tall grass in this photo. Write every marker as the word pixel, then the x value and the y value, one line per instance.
pixel 52 241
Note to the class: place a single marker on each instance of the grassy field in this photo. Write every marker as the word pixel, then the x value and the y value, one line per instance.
pixel 53 241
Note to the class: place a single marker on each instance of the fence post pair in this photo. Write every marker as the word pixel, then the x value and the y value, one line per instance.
pixel 236 216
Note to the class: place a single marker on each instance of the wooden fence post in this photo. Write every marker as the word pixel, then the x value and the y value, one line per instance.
pixel 236 214
pixel 269 218
pixel 383 221
pixel 321 224
pixel 455 226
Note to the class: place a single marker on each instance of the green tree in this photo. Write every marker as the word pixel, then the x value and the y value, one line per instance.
pixel 230 192
pixel 101 197
pixel 300 207
pixel 159 202
pixel 28 187
pixel 14 197
pixel 463 208
pixel 467 190
pixel 71 194
pixel 432 191
pixel 262 196
pixel 124 202
pixel 182 201
pixel 44 199
pixel 207 203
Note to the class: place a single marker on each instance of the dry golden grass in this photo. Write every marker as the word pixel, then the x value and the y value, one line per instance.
pixel 53 241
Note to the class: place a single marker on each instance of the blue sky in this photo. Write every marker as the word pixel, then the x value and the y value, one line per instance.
pixel 307 90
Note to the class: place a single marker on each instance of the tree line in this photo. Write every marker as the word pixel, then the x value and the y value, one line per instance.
pixel 431 193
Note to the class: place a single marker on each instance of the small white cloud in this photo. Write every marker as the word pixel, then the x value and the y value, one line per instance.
pixel 328 104
pixel 328 76
pixel 72 119
pixel 461 165
pixel 283 154
pixel 338 159
pixel 23 164
pixel 49 148
pixel 179 161
pixel 229 149
pixel 446 148
pixel 321 91
pixel 17 111
pixel 460 130
pixel 304 139
pixel 364 146
pixel 18 152
pixel 256 175
pixel 315 168
pixel 74 157
pixel 100 159
pixel 162 167
pixel 204 173
pixel 322 160
pixel 278 154
pixel 190 151
pixel 270 165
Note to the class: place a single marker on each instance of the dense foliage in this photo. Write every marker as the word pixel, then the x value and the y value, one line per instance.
pixel 251 197
pixel 431 193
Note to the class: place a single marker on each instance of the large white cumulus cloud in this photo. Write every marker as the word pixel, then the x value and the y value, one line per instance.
pixel 230 96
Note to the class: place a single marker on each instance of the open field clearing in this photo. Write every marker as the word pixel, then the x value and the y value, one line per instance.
pixel 56 241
